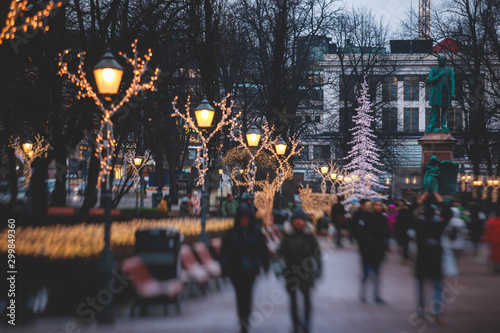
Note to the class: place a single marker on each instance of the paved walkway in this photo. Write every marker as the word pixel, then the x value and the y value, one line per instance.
pixel 472 304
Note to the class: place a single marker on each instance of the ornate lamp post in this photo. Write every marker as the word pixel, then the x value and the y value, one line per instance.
pixel 138 164
pixel 280 147
pixel 221 172
pixel 477 183
pixel 204 114
pixel 108 74
pixel 27 146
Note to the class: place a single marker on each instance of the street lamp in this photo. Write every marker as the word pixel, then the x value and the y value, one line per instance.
pixel 108 74
pixel 253 137
pixel 324 170
pixel 27 146
pixel 221 172
pixel 137 163
pixel 204 114
pixel 280 147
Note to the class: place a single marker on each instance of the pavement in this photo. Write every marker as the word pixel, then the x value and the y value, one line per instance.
pixel 472 304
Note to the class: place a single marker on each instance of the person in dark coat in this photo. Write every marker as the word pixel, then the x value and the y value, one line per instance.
pixel 429 227
pixel 477 219
pixel 403 223
pixel 358 215
pixel 339 220
pixel 372 233
pixel 243 254
pixel 302 255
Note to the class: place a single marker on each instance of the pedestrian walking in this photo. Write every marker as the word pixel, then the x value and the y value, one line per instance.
pixel 229 206
pixel 353 208
pixel 359 215
pixel 454 234
pixel 302 255
pixel 339 220
pixel 404 221
pixel 429 228
pixel 492 236
pixel 373 236
pixel 478 219
pixel 243 254
pixel 392 215
pixel 195 199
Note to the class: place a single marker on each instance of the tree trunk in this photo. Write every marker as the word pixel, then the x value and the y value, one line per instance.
pixel 91 189
pixel 38 187
pixel 174 187
pixel 12 175
pixel 59 193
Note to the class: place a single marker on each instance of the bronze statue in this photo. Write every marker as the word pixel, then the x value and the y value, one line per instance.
pixel 442 80
pixel 440 177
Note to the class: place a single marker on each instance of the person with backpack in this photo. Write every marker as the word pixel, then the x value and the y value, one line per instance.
pixel 243 253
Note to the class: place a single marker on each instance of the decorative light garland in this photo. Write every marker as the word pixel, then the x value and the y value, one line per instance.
pixel 105 140
pixel 17 10
pixel 201 160
pixel 38 149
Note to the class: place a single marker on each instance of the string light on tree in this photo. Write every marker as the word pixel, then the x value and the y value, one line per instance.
pixel 107 77
pixel 253 148
pixel 29 152
pixel 202 158
pixel 363 156
pixel 16 12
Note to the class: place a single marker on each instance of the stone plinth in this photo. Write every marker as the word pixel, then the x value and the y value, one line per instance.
pixel 437 144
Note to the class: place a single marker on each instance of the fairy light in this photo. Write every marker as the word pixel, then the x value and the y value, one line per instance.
pixel 37 149
pixel 266 143
pixel 16 12
pixel 105 142
pixel 202 158
pixel 136 168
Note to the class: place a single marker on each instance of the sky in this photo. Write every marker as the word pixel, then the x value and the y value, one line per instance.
pixel 392 11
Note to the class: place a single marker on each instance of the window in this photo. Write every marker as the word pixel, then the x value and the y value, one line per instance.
pixel 411 88
pixel 298 119
pixel 192 154
pixel 304 153
pixel 322 152
pixel 308 119
pixel 411 119
pixel 455 119
pixel 389 119
pixel 317 119
pixel 390 89
pixel 428 90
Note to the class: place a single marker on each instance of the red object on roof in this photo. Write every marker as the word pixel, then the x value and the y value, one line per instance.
pixel 447 45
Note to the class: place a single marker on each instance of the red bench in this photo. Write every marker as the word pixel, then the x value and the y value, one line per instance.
pixel 100 212
pixel 147 287
pixel 61 211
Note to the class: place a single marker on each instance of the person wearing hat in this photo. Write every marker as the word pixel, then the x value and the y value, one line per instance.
pixel 372 234
pixel 302 255
pixel 243 253
pixel 229 206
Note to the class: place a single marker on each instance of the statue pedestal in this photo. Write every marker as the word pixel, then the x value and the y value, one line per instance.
pixel 438 144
